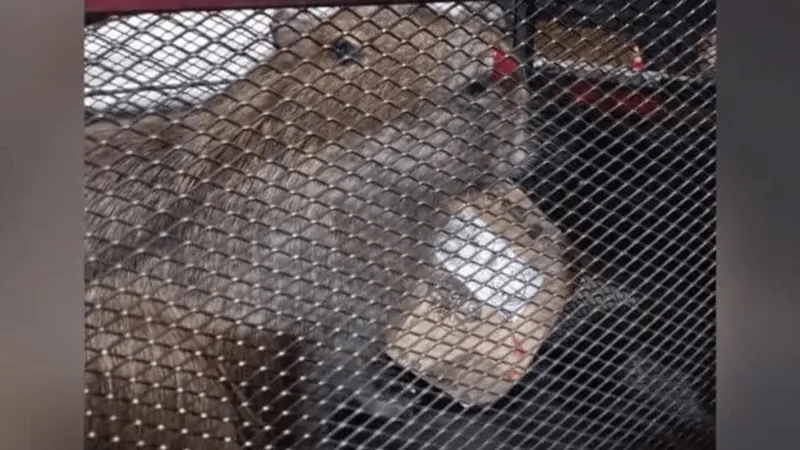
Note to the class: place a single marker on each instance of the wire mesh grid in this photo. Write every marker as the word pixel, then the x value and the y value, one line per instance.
pixel 452 226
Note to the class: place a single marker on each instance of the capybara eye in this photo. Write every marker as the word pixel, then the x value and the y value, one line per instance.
pixel 346 50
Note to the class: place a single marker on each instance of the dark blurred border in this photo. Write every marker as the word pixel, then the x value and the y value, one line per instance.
pixel 759 358
pixel 41 310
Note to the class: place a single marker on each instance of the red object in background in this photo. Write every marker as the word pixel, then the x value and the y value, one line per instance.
pixel 617 101
pixel 637 65
pixel 504 65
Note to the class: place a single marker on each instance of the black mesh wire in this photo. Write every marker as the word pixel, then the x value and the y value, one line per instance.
pixel 271 194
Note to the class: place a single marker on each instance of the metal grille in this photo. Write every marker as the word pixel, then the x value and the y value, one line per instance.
pixel 451 226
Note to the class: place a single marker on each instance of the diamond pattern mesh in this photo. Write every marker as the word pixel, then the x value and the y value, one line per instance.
pixel 451 226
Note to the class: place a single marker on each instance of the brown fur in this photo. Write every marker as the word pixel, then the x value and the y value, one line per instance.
pixel 296 203
pixel 708 51
pixel 556 41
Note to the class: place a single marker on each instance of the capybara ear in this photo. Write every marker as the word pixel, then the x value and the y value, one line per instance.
pixel 289 25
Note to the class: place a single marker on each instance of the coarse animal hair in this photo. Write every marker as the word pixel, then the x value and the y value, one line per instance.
pixel 297 206
pixel 708 50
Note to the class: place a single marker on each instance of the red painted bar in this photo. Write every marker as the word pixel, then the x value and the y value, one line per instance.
pixel 138 6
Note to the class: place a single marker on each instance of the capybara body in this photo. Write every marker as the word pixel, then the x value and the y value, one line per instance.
pixel 299 205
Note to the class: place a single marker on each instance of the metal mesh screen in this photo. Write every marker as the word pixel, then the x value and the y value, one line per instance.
pixel 451 226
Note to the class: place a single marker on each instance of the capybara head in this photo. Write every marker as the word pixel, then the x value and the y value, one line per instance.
pixel 354 70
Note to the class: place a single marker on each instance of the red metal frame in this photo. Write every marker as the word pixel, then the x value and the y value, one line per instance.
pixel 138 6
pixel 619 101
